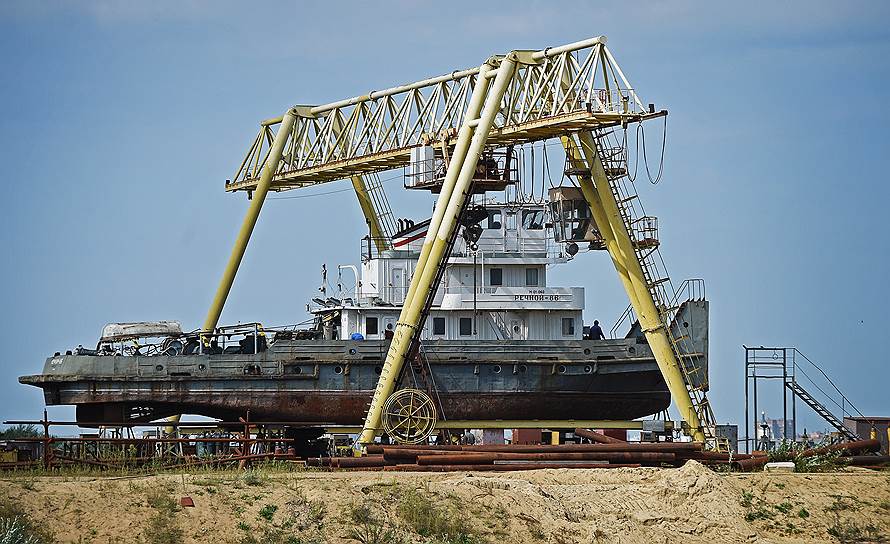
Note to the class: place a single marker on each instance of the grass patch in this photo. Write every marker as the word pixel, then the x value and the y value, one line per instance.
pixel 429 518
pixel 17 526
pixel 367 526
pixel 790 451
pixel 268 512
pixel 803 513
pixel 254 478
pixel 162 527
pixel 850 532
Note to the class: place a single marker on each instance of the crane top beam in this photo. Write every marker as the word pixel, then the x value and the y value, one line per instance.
pixel 555 91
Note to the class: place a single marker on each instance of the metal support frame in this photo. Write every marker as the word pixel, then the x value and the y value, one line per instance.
pixel 250 219
pixel 484 104
pixel 535 95
pixel 618 241
pixel 800 377
pixel 766 364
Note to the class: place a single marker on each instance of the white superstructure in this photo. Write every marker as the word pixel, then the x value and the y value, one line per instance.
pixel 498 292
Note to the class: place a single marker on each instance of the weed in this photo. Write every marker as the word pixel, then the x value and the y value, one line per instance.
pixel 426 518
pixel 849 532
pixel 17 526
pixel 367 527
pixel 162 527
pixel 243 526
pixel 747 498
pixel 268 512
pixel 254 478
pixel 784 507
pixel 803 513
pixel 842 503
pixel 780 485
pixel 884 505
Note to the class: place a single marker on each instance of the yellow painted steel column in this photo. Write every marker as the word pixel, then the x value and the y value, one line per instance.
pixel 573 154
pixel 253 213
pixel 364 201
pixel 471 141
pixel 638 291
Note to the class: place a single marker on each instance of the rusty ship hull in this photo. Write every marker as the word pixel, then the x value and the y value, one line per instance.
pixel 331 382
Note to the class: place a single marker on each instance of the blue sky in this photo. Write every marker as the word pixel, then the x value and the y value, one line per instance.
pixel 121 121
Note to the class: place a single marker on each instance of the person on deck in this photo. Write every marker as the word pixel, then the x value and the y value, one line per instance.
pixel 596 332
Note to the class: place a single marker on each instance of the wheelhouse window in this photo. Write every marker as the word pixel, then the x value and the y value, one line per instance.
pixel 568 326
pixel 438 326
pixel 533 219
pixel 495 276
pixel 371 326
pixel 531 277
pixel 466 326
pixel 494 219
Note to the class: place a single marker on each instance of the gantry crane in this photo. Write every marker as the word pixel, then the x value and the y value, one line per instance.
pixel 575 92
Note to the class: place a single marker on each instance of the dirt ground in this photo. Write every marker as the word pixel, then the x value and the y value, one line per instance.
pixel 642 505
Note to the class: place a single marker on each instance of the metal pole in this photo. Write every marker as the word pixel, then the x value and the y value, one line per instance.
pixel 784 394
pixel 253 213
pixel 756 413
pixel 471 140
pixel 747 437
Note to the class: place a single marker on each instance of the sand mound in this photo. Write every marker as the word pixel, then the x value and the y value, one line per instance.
pixel 645 505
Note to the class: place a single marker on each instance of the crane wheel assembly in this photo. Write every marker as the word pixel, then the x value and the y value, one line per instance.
pixel 409 416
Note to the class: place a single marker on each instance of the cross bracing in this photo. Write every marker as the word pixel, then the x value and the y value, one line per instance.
pixel 553 92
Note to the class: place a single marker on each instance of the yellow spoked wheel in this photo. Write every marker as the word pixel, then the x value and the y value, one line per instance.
pixel 409 416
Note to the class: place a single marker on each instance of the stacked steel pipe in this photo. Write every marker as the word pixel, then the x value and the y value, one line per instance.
pixel 602 454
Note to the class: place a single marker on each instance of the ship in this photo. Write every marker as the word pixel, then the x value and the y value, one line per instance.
pixel 496 339
pixel 500 341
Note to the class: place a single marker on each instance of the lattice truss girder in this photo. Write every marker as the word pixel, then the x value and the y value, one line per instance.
pixel 553 92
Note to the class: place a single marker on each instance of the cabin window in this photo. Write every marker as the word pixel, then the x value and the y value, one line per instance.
pixel 531 277
pixel 511 220
pixel 439 325
pixel 494 219
pixel 371 326
pixel 568 326
pixel 533 219
pixel 466 326
pixel 495 276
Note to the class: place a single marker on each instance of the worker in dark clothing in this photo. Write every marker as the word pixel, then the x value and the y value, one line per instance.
pixel 388 333
pixel 596 333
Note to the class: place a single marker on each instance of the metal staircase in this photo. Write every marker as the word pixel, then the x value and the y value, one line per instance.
pixel 643 232
pixel 820 409
pixel 381 205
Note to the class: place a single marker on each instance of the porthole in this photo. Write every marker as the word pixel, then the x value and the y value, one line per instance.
pixel 352 351
pixel 496 369
pixel 378 369
pixel 202 366
pixel 159 367
pixel 515 328
pixel 562 369
pixel 522 368
pixel 586 351
pixel 588 369
pixel 685 324
pixel 631 350
pixel 297 370
pixel 338 370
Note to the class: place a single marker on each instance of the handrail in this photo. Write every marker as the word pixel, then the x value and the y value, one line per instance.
pixel 845 400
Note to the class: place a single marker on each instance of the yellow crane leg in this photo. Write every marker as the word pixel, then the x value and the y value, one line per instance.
pixel 622 251
pixel 599 216
pixel 253 213
pixel 364 201
pixel 470 143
